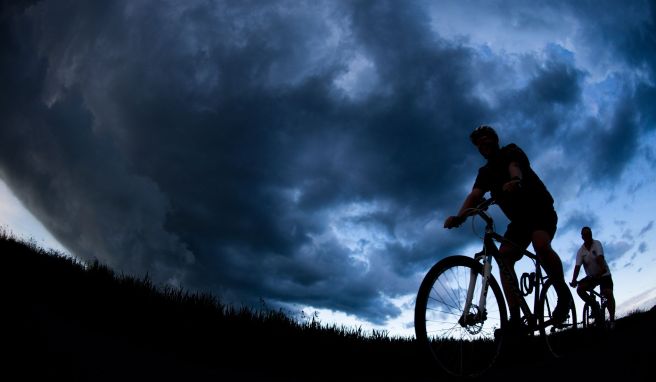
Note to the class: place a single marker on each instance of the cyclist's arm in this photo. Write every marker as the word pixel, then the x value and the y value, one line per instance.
pixel 515 177
pixel 602 264
pixel 471 200
pixel 577 269
pixel 601 260
pixel 514 170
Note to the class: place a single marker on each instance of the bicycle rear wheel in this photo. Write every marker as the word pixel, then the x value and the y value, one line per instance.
pixel 588 316
pixel 558 337
pixel 462 343
pixel 591 321
pixel 605 314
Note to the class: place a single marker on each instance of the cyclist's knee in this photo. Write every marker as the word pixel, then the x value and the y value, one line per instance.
pixel 543 249
pixel 509 255
pixel 582 290
pixel 542 242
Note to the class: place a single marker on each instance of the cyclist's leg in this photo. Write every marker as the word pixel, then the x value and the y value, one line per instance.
pixel 509 254
pixel 544 224
pixel 549 259
pixel 583 290
pixel 509 280
pixel 607 291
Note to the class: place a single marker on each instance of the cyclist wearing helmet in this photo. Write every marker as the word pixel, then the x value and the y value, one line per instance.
pixel 527 203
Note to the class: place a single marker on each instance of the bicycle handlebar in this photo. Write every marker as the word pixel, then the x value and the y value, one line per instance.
pixel 485 204
pixel 481 209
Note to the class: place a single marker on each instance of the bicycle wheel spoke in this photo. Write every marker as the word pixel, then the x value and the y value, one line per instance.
pixel 441 311
pixel 453 307
pixel 449 293
pixel 446 330
pixel 459 289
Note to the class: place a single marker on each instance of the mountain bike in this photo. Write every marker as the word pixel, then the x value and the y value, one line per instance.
pixel 460 311
pixel 603 316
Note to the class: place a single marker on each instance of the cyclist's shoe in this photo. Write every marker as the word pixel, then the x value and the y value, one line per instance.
pixel 561 313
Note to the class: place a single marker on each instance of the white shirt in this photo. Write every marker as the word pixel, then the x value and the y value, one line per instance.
pixel 589 259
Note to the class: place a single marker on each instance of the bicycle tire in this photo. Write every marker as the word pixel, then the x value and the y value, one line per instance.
pixel 557 338
pixel 605 316
pixel 588 317
pixel 590 321
pixel 462 351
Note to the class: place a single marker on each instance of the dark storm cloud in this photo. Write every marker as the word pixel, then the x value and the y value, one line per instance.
pixel 72 178
pixel 624 33
pixel 547 110
pixel 615 144
pixel 300 152
pixel 621 30
pixel 555 84
pixel 616 249
pixel 212 140
pixel 577 220
pixel 537 112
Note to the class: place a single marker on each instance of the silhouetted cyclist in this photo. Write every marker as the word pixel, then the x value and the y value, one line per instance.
pixel 591 256
pixel 527 203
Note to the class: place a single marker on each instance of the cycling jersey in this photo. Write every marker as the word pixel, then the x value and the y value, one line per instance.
pixel 522 204
pixel 590 259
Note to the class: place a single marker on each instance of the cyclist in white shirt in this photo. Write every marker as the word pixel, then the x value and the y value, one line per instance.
pixel 591 256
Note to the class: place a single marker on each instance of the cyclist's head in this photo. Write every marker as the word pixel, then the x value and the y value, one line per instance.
pixel 485 139
pixel 483 131
pixel 586 233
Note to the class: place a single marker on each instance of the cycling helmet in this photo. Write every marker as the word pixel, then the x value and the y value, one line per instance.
pixel 481 131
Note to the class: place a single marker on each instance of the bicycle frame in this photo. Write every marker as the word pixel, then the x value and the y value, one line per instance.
pixel 490 251
pixel 603 302
pixel 596 294
pixel 598 298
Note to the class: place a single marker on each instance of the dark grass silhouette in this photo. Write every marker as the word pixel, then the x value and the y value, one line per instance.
pixel 68 321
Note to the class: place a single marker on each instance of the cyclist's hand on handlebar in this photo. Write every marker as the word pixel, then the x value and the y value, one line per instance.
pixel 512 186
pixel 453 221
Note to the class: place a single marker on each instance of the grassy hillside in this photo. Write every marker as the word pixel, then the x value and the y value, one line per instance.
pixel 87 323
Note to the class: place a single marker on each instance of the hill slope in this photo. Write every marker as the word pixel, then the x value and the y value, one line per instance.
pixel 86 323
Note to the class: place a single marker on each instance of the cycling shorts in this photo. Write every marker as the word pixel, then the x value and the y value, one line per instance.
pixel 520 230
pixel 605 282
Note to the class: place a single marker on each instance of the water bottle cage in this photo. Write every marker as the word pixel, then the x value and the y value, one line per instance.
pixel 527 283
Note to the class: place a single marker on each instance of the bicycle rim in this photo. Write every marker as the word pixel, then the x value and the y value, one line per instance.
pixel 591 321
pixel 588 318
pixel 605 315
pixel 466 350
pixel 558 338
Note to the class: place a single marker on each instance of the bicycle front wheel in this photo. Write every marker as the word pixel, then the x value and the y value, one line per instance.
pixel 462 343
pixel 558 337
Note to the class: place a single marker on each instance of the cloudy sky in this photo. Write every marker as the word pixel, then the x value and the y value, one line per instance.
pixel 307 152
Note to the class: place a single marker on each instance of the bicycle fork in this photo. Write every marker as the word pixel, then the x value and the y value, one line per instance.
pixel 473 314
